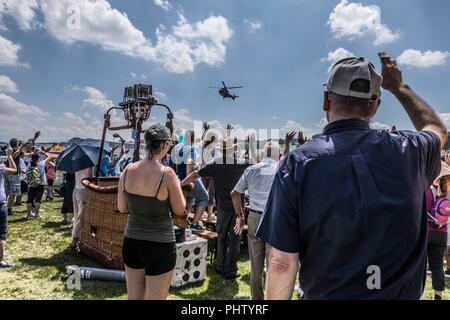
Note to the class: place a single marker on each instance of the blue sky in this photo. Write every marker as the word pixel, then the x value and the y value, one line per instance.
pixel 61 79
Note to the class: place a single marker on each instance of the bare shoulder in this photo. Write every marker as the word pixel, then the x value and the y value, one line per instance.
pixel 170 173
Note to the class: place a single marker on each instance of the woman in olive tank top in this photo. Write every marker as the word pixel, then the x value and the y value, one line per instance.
pixel 149 191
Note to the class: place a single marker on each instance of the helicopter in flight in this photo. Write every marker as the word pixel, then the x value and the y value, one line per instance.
pixel 224 91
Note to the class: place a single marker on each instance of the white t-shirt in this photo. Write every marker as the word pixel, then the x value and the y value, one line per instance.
pixel 23 167
pixel 80 175
pixel 41 168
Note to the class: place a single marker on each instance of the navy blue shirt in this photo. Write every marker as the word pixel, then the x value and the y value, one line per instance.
pixel 352 198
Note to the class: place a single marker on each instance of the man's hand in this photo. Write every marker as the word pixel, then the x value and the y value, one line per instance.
pixel 36 135
pixel 205 126
pixel 229 128
pixel 239 227
pixel 9 151
pixel 289 137
pixel 394 128
pixel 392 76
pixel 301 141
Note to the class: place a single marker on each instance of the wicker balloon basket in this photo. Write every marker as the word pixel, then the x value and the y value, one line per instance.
pixel 102 226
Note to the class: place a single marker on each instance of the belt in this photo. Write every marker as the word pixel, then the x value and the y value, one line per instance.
pixel 256 211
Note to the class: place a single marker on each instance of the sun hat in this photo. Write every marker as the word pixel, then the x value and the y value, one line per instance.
pixel 445 170
pixel 347 70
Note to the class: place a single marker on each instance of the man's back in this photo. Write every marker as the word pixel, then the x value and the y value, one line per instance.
pixel 355 198
pixel 225 178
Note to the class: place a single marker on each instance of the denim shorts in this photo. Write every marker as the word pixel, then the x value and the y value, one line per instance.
pixel 199 194
pixel 12 185
pixel 3 220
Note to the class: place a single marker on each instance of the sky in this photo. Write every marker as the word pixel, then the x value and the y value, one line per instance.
pixel 63 63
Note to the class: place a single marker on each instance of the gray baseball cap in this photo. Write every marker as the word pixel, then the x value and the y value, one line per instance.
pixel 162 133
pixel 347 70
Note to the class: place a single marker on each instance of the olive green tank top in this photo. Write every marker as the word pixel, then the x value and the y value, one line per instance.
pixel 149 217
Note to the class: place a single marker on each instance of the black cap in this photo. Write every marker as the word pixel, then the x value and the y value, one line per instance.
pixel 162 133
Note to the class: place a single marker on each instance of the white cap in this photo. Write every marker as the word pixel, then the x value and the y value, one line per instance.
pixel 347 70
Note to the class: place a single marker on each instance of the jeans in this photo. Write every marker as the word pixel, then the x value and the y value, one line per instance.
pixel 228 243
pixel 198 195
pixel 259 253
pixel 437 242
pixel 3 221
pixel 78 196
pixel 208 182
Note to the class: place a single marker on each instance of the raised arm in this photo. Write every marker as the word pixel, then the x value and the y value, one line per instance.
pixel 13 168
pixel 421 114
pixel 288 139
pixel 176 198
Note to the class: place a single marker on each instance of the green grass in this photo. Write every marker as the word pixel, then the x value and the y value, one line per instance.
pixel 39 266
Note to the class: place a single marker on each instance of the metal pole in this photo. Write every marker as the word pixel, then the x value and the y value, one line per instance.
pixel 100 155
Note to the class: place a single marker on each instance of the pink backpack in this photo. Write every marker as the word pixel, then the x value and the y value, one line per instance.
pixel 440 213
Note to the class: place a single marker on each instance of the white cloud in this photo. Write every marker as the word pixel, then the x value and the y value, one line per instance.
pixel 8 53
pixel 22 11
pixel 337 55
pixel 100 24
pixel 163 4
pixel 416 58
pixel 379 125
pixel 10 106
pixel 96 99
pixel 356 20
pixel 160 95
pixel 7 85
pixel 445 117
pixel 254 25
pixel 134 75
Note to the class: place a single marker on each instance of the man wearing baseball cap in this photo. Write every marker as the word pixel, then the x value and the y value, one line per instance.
pixel 349 206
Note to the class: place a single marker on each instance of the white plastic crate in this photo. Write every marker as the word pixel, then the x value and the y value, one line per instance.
pixel 191 262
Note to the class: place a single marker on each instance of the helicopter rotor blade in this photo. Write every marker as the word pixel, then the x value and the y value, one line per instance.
pixel 224 85
pixel 235 87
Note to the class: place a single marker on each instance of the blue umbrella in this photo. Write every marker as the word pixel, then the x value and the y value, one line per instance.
pixel 81 155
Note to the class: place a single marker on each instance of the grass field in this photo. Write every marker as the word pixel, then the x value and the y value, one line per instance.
pixel 38 248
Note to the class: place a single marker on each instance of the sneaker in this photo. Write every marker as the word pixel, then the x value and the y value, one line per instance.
pixel 37 215
pixel 30 216
pixel 212 218
pixel 11 212
pixel 447 272
pixel 197 226
pixel 233 276
pixel 437 297
pixel 6 265
pixel 18 203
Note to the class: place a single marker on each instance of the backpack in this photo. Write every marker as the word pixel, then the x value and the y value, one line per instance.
pixel 33 177
pixel 440 213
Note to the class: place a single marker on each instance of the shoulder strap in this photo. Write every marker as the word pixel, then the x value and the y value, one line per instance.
pixel 125 179
pixel 160 180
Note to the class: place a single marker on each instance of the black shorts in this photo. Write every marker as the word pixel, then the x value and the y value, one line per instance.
pixel 35 194
pixel 50 182
pixel 155 257
pixel 23 186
